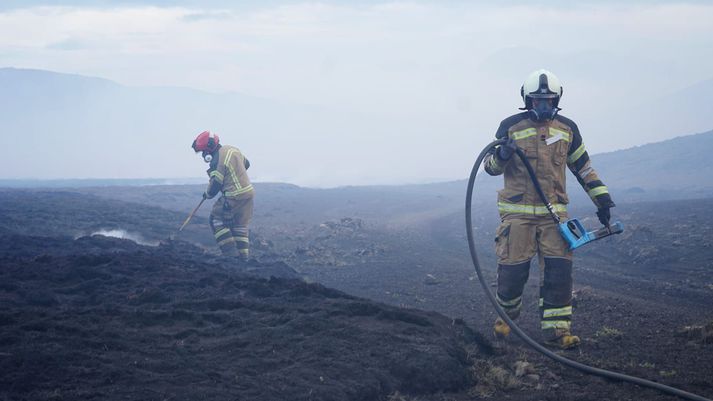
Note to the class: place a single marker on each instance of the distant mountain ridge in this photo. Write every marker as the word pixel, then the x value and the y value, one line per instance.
pixel 63 125
pixel 80 127
pixel 679 167
pixel 89 127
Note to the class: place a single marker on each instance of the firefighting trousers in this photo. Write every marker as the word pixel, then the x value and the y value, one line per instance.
pixel 518 240
pixel 229 221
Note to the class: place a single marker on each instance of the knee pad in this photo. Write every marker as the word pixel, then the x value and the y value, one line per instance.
pixel 512 279
pixel 557 283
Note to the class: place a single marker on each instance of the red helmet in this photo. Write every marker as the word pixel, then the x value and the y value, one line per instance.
pixel 206 142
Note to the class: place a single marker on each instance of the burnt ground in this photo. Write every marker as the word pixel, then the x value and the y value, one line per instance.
pixel 104 318
pixel 642 299
pixel 642 305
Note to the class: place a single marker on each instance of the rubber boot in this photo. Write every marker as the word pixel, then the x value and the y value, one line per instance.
pixel 501 329
pixel 565 340
pixel 568 341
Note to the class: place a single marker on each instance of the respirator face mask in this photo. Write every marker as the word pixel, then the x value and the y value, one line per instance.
pixel 543 109
pixel 207 157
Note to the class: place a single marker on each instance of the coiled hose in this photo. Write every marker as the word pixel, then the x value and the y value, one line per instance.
pixel 529 341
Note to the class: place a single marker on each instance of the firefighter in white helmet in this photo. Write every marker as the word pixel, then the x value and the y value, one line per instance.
pixel 551 143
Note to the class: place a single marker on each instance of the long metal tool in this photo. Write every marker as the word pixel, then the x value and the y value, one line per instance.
pixel 190 216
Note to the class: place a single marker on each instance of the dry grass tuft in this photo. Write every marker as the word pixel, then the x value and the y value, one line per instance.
pixel 701 334
pixel 606 331
pixel 491 379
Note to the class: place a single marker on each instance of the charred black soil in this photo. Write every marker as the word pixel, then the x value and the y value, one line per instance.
pixel 104 318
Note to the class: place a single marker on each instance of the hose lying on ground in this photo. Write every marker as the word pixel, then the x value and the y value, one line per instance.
pixel 558 358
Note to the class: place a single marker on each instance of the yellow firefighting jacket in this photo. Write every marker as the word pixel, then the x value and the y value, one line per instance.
pixel 550 146
pixel 228 174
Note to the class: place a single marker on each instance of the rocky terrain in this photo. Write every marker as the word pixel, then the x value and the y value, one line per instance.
pixel 332 305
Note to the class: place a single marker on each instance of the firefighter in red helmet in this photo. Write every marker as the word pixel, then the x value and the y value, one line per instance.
pixel 232 212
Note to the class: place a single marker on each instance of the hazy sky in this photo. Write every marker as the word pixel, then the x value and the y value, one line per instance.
pixel 448 70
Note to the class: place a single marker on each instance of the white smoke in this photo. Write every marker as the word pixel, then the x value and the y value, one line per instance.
pixel 123 234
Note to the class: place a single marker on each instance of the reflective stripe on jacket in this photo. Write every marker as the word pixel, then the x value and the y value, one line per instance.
pixel 228 173
pixel 549 146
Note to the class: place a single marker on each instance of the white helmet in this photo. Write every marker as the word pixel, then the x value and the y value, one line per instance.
pixel 541 84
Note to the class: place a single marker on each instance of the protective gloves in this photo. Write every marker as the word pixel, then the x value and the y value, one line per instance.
pixel 604 215
pixel 506 150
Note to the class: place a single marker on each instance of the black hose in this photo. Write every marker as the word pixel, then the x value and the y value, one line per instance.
pixel 568 362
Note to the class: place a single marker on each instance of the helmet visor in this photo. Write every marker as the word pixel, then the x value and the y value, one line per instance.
pixel 539 95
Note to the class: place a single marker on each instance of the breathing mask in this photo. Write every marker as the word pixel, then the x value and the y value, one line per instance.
pixel 543 109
